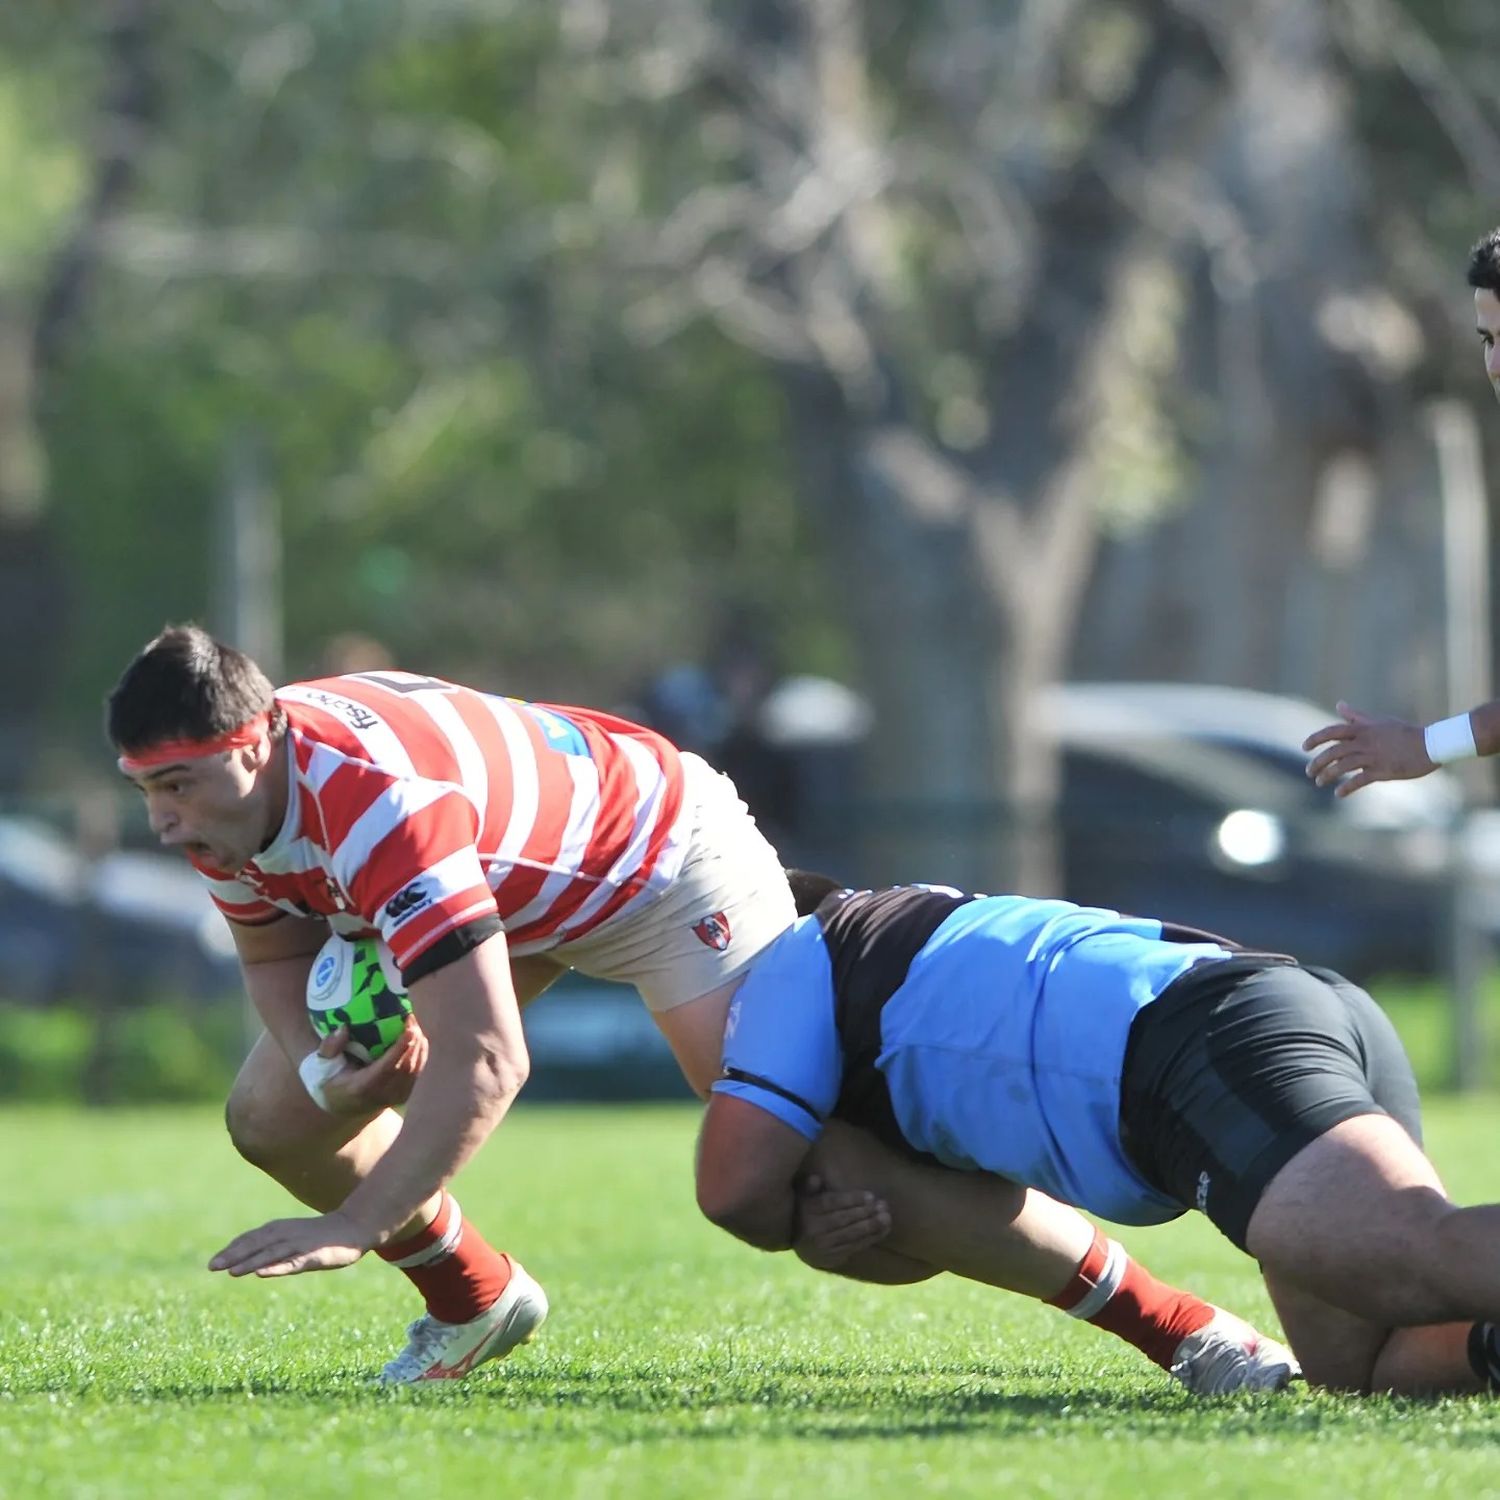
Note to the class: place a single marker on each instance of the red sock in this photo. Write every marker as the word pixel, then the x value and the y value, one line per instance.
pixel 457 1272
pixel 1116 1293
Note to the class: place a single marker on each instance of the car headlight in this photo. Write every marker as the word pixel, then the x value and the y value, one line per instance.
pixel 1250 839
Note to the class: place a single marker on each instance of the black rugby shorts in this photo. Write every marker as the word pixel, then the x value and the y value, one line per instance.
pixel 1242 1062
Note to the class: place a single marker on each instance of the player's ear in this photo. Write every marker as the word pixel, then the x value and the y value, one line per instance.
pixel 257 757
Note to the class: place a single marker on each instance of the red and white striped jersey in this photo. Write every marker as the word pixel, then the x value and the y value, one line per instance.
pixel 418 806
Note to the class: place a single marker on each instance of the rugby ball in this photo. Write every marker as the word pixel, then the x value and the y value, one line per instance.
pixel 354 982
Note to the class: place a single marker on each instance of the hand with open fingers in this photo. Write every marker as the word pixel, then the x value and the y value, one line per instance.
pixel 287 1247
pixel 834 1225
pixel 1362 748
pixel 382 1084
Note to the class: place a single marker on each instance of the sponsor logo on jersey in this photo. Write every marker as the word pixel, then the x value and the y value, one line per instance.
pixel 408 902
pixel 1200 1198
pixel 713 931
pixel 560 732
pixel 356 714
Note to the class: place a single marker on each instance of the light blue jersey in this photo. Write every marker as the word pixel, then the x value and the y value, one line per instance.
pixel 995 1025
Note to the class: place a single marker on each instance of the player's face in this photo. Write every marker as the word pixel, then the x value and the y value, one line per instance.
pixel 211 807
pixel 1487 322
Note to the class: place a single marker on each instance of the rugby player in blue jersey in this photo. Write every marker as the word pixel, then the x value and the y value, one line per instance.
pixel 1133 1069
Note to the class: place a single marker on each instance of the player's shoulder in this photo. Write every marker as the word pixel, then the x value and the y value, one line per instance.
pixel 800 947
pixel 332 710
pixel 361 699
pixel 361 718
pixel 877 907
pixel 795 964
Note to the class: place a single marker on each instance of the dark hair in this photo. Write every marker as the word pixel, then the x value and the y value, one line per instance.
pixel 185 685
pixel 1484 263
pixel 810 890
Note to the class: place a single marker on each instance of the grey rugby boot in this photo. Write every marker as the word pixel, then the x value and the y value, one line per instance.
pixel 1228 1355
pixel 449 1351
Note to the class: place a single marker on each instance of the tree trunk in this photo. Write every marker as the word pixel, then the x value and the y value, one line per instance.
pixel 33 597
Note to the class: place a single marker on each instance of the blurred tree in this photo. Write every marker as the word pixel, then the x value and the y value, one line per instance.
pixel 1031 272
pixel 60 200
pixel 930 222
pixel 548 316
pixel 1327 305
pixel 359 238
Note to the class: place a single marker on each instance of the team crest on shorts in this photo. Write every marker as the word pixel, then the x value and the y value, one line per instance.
pixel 714 931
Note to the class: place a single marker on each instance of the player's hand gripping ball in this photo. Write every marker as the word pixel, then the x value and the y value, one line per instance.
pixel 356 983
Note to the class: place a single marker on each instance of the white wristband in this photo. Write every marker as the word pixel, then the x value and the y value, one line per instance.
pixel 1450 739
pixel 315 1072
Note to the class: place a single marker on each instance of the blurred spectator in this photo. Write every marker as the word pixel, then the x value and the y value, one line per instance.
pixel 352 651
pixel 686 704
pixel 789 744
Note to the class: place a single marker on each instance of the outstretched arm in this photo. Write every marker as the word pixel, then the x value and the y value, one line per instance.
pixel 1362 748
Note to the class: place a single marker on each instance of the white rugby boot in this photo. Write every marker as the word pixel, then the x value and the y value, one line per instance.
pixel 1228 1355
pixel 449 1351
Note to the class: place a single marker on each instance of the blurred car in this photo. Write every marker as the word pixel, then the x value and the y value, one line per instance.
pixel 1192 803
pixel 593 1039
pixel 139 922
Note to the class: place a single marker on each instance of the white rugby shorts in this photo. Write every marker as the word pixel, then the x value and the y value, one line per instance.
pixel 729 902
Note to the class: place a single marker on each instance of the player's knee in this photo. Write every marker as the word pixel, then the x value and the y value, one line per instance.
pixel 245 1133
pixel 255 1132
pixel 1337 1372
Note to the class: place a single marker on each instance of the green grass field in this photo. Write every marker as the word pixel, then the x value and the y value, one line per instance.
pixel 676 1362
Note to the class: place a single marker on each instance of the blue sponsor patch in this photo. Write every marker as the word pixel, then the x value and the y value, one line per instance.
pixel 561 733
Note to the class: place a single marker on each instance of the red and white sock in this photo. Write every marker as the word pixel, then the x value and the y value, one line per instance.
pixel 1118 1294
pixel 457 1271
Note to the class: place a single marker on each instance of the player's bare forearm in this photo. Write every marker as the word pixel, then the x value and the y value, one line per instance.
pixel 767 1222
pixel 877 1267
pixel 1486 722
pixel 275 958
pixel 476 1065
pixel 278 991
pixel 459 1097
pixel 454 1108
